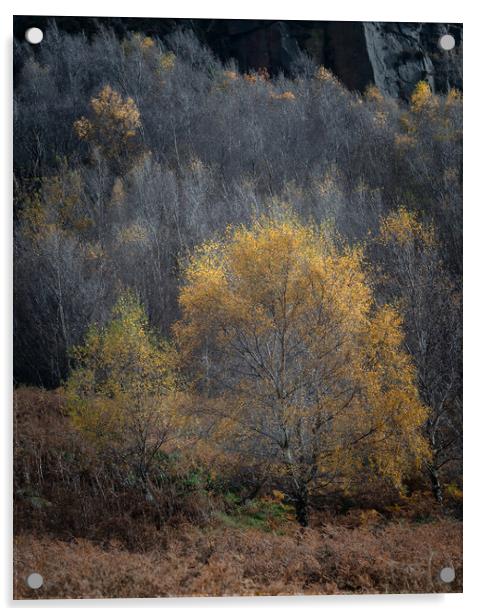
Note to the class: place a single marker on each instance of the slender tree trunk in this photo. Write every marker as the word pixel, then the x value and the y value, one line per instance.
pixel 301 506
pixel 435 483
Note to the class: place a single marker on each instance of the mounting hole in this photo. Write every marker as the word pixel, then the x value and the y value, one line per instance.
pixel 446 42
pixel 447 575
pixel 35 581
pixel 34 36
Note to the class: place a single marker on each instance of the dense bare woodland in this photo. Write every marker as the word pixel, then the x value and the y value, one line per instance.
pixel 237 325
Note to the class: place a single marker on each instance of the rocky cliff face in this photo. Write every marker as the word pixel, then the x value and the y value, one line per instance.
pixel 393 56
pixel 400 55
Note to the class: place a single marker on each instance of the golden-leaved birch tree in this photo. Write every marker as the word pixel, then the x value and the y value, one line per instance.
pixel 294 358
pixel 113 125
pixel 123 394
pixel 432 304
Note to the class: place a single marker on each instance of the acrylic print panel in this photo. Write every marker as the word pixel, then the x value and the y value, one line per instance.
pixel 237 319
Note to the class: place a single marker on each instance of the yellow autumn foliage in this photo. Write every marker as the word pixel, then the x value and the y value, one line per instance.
pixel 56 207
pixel 307 361
pixel 122 394
pixel 422 98
pixel 325 75
pixel 134 234
pixel 112 125
pixel 403 227
pixel 373 94
pixel 231 75
pixel 167 61
pixel 429 112
pixel 454 96
pixel 284 96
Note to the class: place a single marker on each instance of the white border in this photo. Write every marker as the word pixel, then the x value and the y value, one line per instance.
pixel 350 10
